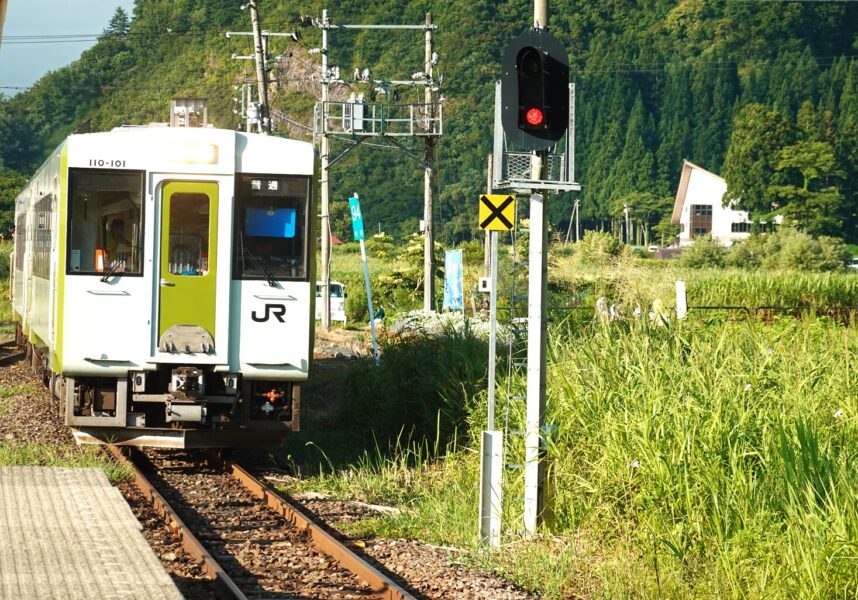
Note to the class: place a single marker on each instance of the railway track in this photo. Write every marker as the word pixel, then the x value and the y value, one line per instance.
pixel 251 541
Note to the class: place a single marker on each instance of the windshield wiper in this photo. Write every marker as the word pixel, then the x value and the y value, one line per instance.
pixel 269 276
pixel 113 270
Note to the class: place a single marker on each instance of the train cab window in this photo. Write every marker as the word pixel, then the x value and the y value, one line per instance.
pixel 105 222
pixel 271 222
pixel 189 234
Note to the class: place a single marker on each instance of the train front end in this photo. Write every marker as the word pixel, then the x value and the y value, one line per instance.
pixel 185 316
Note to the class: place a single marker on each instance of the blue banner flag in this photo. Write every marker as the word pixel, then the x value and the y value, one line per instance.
pixel 357 217
pixel 453 288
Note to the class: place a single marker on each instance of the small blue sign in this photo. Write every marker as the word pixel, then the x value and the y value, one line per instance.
pixel 453 288
pixel 357 217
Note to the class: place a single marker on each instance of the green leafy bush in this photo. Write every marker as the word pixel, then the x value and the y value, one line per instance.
pixel 356 307
pixel 381 246
pixel 473 251
pixel 833 254
pixel 398 290
pixel 705 253
pixel 748 254
pixel 789 249
pixel 5 252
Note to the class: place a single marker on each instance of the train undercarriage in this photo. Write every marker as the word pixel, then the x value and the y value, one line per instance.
pixel 173 406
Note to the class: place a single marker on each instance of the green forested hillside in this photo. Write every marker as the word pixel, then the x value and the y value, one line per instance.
pixel 657 82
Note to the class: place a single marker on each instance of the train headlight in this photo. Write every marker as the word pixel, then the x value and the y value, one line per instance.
pixel 194 153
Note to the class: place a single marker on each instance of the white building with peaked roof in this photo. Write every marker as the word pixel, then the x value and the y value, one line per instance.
pixel 699 211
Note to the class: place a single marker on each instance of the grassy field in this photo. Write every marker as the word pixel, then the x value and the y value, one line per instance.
pixel 710 458
pixel 689 461
pixel 624 280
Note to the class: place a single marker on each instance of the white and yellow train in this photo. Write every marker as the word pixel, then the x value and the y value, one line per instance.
pixel 164 284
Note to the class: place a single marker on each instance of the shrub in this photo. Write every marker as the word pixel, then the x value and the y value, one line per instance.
pixel 793 249
pixel 704 253
pixel 5 251
pixel 561 250
pixel 412 254
pixel 356 306
pixel 789 249
pixel 398 290
pixel 349 248
pixel 833 253
pixel 473 251
pixel 747 254
pixel 380 245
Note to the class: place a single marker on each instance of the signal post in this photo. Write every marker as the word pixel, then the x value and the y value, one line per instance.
pixel 533 113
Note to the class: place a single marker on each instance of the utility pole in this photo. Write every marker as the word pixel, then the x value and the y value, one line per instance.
pixel 540 14
pixel 577 228
pixel 428 205
pixel 340 120
pixel 537 332
pixel 259 112
pixel 573 217
pixel 628 235
pixel 324 151
pixel 261 73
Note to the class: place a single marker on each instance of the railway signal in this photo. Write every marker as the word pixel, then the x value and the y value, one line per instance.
pixel 535 90
pixel 534 110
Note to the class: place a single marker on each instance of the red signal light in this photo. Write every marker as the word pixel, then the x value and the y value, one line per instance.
pixel 534 116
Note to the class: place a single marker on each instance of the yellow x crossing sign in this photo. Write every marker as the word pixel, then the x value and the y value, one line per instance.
pixel 497 212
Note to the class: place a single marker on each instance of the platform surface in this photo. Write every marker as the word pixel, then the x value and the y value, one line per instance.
pixel 67 533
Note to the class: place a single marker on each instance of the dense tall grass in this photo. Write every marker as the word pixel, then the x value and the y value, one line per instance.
pixel 414 403
pixel 423 386
pixel 633 282
pixel 688 461
pixel 703 459
pixel 773 289
pixel 704 462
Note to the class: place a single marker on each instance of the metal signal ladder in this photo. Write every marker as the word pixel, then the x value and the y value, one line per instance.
pixel 516 383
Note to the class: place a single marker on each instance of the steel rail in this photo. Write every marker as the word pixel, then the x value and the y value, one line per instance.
pixel 381 584
pixel 190 543
pixel 10 358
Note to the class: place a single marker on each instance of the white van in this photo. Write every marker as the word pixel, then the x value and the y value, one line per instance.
pixel 338 301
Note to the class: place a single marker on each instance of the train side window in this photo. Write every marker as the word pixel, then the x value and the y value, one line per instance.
pixel 271 224
pixel 20 241
pixel 41 244
pixel 105 222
